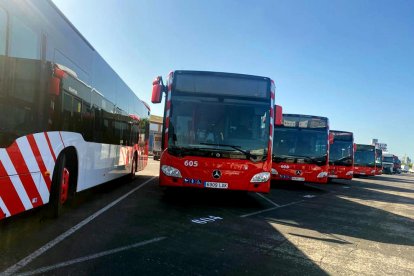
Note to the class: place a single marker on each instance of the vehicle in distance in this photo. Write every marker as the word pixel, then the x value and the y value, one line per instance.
pixel 300 149
pixel 364 160
pixel 341 155
pixel 387 163
pixel 404 168
pixel 67 120
pixel 218 130
pixel 156 149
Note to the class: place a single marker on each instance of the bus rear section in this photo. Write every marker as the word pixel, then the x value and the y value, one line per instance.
pixel 300 149
pixel 341 155
pixel 378 161
pixel 364 160
pixel 217 130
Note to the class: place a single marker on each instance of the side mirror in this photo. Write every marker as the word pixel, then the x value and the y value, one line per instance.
pixel 278 115
pixel 331 138
pixel 157 89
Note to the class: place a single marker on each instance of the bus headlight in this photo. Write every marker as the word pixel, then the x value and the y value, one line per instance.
pixel 260 177
pixel 170 171
pixel 350 173
pixel 322 175
pixel 274 171
pixel 373 171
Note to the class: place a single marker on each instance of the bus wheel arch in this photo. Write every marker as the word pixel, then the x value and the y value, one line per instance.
pixel 64 180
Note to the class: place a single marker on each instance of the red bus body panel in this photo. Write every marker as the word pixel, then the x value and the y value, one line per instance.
pixel 378 170
pixel 236 173
pixel 362 170
pixel 341 172
pixel 299 172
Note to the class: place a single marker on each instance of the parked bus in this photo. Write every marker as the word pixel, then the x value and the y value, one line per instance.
pixel 67 121
pixel 217 130
pixel 364 160
pixel 300 149
pixel 341 155
pixel 378 161
pixel 387 163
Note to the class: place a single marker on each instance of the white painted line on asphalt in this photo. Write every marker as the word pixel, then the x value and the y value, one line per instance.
pixel 268 200
pixel 309 196
pixel 22 263
pixel 270 209
pixel 90 257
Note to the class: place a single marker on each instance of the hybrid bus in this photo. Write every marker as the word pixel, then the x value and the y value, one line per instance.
pixel 341 155
pixel 217 130
pixel 67 121
pixel 300 149
pixel 364 160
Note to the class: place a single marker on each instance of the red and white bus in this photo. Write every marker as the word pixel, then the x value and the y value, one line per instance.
pixel 364 160
pixel 341 155
pixel 67 120
pixel 300 149
pixel 378 161
pixel 217 130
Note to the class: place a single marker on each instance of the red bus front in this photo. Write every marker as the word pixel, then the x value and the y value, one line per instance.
pixel 341 155
pixel 300 149
pixel 364 160
pixel 217 131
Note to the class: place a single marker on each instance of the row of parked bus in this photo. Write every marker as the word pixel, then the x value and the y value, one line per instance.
pixel 224 131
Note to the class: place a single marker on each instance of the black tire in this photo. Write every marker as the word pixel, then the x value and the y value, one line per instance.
pixel 134 167
pixel 55 203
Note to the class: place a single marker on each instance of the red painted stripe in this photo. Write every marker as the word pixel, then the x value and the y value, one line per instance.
pixel 9 195
pixel 23 172
pixel 50 146
pixel 39 160
pixel 61 139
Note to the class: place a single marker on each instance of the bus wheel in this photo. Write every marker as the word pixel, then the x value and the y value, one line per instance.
pixel 60 186
pixel 134 167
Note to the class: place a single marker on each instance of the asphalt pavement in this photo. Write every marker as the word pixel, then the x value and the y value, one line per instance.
pixel 364 226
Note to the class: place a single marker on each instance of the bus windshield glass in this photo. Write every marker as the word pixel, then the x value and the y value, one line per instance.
pixel 218 127
pixel 300 145
pixel 378 159
pixel 221 84
pixel 340 153
pixel 365 158
pixel 388 159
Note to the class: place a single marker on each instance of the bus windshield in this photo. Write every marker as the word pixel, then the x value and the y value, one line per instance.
pixel 340 153
pixel 388 159
pixel 309 145
pixel 207 126
pixel 365 158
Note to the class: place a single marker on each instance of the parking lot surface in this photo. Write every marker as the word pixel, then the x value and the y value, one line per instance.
pixel 364 226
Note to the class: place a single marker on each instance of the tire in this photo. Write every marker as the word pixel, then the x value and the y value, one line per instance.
pixel 134 167
pixel 60 186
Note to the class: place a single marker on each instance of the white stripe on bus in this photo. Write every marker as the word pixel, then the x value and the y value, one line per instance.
pixel 33 167
pixel 3 207
pixel 55 141
pixel 15 179
pixel 44 150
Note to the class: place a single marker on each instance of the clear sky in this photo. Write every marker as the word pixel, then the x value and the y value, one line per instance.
pixel 350 60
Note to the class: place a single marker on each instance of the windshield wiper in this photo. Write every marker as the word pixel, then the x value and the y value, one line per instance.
pixel 238 148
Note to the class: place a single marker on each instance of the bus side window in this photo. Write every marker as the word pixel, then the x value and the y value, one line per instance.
pixel 67 112
pixel 24 42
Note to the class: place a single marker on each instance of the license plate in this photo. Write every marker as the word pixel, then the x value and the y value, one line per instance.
pixel 362 173
pixel 333 176
pixel 216 185
pixel 298 178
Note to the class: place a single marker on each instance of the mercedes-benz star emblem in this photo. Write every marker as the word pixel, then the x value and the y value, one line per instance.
pixel 216 174
pixel 298 172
